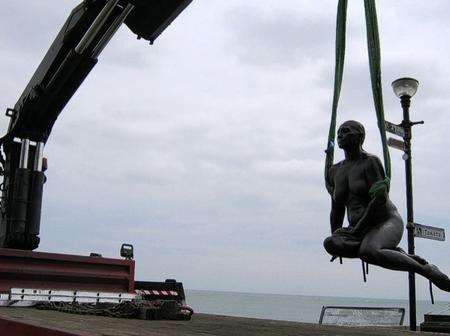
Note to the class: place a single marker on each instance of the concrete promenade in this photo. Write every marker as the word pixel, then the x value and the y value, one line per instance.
pixel 61 324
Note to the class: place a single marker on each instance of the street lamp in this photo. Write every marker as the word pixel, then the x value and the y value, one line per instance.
pixel 405 88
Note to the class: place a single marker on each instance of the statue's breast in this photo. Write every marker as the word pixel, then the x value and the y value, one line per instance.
pixel 349 181
pixel 357 183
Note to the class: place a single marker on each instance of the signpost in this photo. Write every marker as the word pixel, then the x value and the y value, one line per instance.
pixel 405 88
pixel 394 129
pixel 397 144
pixel 429 232
pixel 414 230
pixel 405 132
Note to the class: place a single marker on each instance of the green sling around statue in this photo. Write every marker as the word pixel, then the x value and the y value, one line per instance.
pixel 359 184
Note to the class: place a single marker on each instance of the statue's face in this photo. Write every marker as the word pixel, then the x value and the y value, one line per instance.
pixel 348 137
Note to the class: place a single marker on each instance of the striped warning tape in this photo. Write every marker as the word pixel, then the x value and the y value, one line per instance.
pixel 145 292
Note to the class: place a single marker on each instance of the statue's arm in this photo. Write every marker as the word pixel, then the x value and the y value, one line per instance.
pixel 337 215
pixel 337 209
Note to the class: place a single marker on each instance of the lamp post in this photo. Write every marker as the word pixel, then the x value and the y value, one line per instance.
pixel 405 89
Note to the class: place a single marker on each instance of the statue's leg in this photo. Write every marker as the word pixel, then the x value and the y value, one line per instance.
pixel 417 258
pixel 342 246
pixel 379 247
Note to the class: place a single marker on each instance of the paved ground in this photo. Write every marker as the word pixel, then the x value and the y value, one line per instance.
pixel 200 325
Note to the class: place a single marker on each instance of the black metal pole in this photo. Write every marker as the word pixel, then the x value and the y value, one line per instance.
pixel 405 101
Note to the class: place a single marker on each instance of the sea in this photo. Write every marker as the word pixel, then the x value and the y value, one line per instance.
pixel 298 308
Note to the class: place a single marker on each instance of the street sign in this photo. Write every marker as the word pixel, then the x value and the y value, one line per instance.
pixel 394 129
pixel 398 144
pixel 429 232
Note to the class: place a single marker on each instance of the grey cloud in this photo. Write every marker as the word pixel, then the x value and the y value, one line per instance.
pixel 32 25
pixel 207 148
pixel 280 38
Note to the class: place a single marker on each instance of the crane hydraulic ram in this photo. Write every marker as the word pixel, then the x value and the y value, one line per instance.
pixel 71 57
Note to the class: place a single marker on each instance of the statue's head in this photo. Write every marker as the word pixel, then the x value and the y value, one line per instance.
pixel 351 135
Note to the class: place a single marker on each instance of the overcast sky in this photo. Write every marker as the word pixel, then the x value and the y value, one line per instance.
pixel 205 150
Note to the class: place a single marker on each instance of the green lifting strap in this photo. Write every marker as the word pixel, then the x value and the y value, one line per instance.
pixel 373 45
pixel 341 21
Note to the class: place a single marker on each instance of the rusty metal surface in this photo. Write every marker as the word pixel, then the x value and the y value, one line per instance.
pixel 200 324
pixel 27 269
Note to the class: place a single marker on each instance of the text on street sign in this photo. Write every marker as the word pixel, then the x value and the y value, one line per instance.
pixel 429 232
pixel 394 129
pixel 397 144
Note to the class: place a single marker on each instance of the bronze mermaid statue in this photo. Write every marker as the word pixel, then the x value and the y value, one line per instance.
pixel 375 226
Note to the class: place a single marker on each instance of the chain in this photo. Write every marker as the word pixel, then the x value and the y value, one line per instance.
pixel 126 309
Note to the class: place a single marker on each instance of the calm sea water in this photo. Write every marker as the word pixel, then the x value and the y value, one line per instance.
pixel 298 308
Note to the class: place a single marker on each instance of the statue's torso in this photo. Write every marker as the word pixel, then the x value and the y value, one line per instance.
pixel 351 188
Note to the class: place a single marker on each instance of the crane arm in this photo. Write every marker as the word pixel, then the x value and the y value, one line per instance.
pixel 74 53
pixel 70 59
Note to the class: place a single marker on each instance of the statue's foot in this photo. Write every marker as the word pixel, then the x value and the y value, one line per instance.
pixel 438 278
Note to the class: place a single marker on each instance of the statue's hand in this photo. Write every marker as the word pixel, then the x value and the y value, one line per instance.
pixel 380 190
pixel 340 230
pixel 344 230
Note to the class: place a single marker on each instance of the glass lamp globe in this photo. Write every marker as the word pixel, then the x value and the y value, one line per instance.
pixel 405 87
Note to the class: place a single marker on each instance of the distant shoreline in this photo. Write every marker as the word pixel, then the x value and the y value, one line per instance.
pixel 306 295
